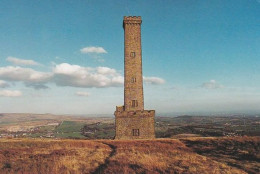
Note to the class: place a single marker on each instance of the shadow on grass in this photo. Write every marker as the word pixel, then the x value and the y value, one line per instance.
pixel 101 168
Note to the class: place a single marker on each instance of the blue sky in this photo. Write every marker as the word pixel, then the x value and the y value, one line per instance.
pixel 66 57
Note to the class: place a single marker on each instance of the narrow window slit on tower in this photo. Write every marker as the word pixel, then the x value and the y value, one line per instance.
pixel 134 103
pixel 132 54
pixel 133 80
pixel 136 132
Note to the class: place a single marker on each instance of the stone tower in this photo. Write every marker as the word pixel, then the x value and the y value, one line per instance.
pixel 132 121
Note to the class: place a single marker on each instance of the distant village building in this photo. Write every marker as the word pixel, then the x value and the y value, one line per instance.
pixel 132 121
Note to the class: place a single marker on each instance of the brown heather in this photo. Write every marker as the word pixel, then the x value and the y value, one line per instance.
pixel 51 156
pixel 190 155
pixel 240 152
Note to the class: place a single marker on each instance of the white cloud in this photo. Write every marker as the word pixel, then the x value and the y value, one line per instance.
pixel 77 76
pixel 29 76
pixel 3 84
pixel 212 84
pixel 154 80
pixel 63 75
pixel 68 75
pixel 17 73
pixel 97 50
pixel 18 61
pixel 106 71
pixel 8 93
pixel 82 94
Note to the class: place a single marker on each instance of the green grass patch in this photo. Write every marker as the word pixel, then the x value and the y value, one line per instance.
pixel 36 135
pixel 70 135
pixel 47 128
pixel 69 129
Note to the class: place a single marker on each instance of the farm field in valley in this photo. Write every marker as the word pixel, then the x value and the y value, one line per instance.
pixel 80 127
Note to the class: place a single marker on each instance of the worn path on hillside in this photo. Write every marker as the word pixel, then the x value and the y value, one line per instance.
pixel 101 168
pixel 191 156
pixel 158 156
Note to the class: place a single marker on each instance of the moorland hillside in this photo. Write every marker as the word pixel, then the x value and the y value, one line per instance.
pixel 187 155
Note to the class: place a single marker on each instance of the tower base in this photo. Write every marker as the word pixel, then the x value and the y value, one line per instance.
pixel 135 124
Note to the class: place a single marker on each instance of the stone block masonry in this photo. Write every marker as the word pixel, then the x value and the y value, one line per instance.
pixel 132 121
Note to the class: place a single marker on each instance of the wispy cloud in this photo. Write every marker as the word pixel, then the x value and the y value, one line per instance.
pixel 175 87
pixel 97 50
pixel 9 93
pixel 3 84
pixel 37 86
pixel 82 94
pixel 154 80
pixel 212 84
pixel 97 57
pixel 17 61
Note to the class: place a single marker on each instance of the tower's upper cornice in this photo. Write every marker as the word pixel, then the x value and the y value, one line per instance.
pixel 132 20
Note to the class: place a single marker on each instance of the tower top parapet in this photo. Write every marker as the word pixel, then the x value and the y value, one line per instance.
pixel 132 20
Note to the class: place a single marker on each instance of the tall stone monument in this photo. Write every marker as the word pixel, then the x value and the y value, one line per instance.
pixel 132 121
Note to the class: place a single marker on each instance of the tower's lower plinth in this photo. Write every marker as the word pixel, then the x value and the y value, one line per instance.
pixel 135 124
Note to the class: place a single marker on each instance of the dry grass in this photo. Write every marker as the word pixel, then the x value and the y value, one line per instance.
pixel 111 156
pixel 240 152
pixel 160 156
pixel 51 156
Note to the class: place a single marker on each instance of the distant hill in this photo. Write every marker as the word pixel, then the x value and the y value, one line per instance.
pixel 28 125
pixel 187 155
